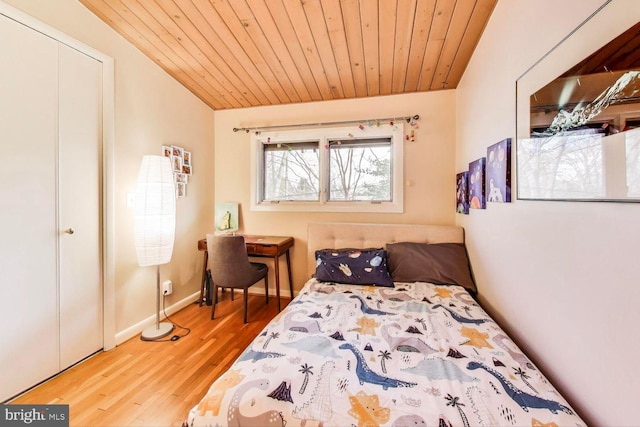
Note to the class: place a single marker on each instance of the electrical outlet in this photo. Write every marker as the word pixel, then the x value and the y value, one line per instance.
pixel 167 287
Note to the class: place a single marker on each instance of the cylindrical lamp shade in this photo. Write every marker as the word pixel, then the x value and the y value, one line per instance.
pixel 155 211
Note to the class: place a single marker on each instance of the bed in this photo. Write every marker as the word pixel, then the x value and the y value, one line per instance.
pixel 418 351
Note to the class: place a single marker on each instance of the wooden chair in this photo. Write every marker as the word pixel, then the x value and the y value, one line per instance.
pixel 230 267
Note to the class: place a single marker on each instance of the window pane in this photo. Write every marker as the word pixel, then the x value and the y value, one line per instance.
pixel 291 171
pixel 360 170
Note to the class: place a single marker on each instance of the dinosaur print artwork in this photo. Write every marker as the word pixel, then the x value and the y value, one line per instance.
pixel 536 423
pixel 254 356
pixel 475 338
pixel 236 418
pixel 443 292
pixel 216 393
pixel 314 344
pixel 525 400
pixel 501 341
pixel 404 343
pixel 440 369
pixel 417 355
pixel 318 407
pixel 458 318
pixel 306 326
pixel 366 309
pixel 367 326
pixel 366 375
pixel 409 421
pixel 366 409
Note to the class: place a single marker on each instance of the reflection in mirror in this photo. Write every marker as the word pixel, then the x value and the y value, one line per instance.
pixel 582 139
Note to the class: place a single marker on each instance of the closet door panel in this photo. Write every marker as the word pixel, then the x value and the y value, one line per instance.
pixel 79 205
pixel 28 246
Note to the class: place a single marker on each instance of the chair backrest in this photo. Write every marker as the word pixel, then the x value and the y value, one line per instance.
pixel 228 261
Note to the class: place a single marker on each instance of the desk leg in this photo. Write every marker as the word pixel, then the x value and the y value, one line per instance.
pixel 204 277
pixel 277 271
pixel 289 271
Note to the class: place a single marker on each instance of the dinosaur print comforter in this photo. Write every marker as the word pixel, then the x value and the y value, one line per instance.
pixel 414 355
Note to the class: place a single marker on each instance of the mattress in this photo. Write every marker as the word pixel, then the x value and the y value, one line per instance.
pixel 414 354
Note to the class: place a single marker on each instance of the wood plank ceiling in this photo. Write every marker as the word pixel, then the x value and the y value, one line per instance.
pixel 242 53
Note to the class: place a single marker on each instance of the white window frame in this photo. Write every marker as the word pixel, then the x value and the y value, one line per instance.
pixel 324 135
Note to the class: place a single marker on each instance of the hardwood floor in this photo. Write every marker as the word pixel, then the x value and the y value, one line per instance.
pixel 156 383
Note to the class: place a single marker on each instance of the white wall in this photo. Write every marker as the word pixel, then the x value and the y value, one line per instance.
pixel 561 277
pixel 429 183
pixel 151 109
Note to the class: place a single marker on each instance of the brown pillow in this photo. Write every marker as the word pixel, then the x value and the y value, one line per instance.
pixel 438 263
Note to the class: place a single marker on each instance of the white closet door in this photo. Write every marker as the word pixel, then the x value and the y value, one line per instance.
pixel 28 240
pixel 80 132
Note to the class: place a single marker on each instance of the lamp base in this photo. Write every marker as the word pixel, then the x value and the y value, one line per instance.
pixel 155 332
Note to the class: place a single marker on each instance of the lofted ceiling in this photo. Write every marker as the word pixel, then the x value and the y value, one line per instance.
pixel 242 53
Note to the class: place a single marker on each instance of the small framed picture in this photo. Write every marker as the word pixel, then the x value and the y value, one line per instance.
pixel 186 158
pixel 226 217
pixel 186 169
pixel 181 190
pixel 498 179
pixel 167 151
pixel 462 193
pixel 177 164
pixel 177 151
pixel 182 178
pixel 476 187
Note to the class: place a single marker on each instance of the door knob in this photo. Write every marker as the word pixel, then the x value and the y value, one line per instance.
pixel 69 231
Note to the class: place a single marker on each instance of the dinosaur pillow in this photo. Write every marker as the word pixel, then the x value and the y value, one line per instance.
pixel 438 263
pixel 353 267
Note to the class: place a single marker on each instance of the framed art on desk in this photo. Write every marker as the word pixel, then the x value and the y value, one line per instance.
pixel 226 217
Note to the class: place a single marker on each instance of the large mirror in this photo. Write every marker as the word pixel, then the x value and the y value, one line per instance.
pixel 578 114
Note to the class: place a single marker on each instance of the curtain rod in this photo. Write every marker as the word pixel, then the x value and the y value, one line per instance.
pixel 409 119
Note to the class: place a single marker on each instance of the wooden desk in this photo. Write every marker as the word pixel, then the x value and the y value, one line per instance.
pixel 262 247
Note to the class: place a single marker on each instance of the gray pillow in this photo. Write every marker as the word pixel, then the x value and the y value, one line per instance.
pixel 438 263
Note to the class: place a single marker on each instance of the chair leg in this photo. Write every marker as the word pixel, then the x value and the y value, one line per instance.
pixel 246 298
pixel 214 300
pixel 266 287
pixel 232 293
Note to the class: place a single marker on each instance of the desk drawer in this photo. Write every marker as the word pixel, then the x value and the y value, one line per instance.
pixel 259 249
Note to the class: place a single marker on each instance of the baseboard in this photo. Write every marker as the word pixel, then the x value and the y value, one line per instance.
pixel 134 330
pixel 284 293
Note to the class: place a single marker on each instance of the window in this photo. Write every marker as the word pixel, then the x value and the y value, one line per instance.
pixel 360 170
pixel 291 171
pixel 328 170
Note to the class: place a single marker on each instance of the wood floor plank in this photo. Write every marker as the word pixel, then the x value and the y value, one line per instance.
pixel 156 383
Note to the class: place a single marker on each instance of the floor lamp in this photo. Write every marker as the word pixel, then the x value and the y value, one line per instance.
pixel 155 223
